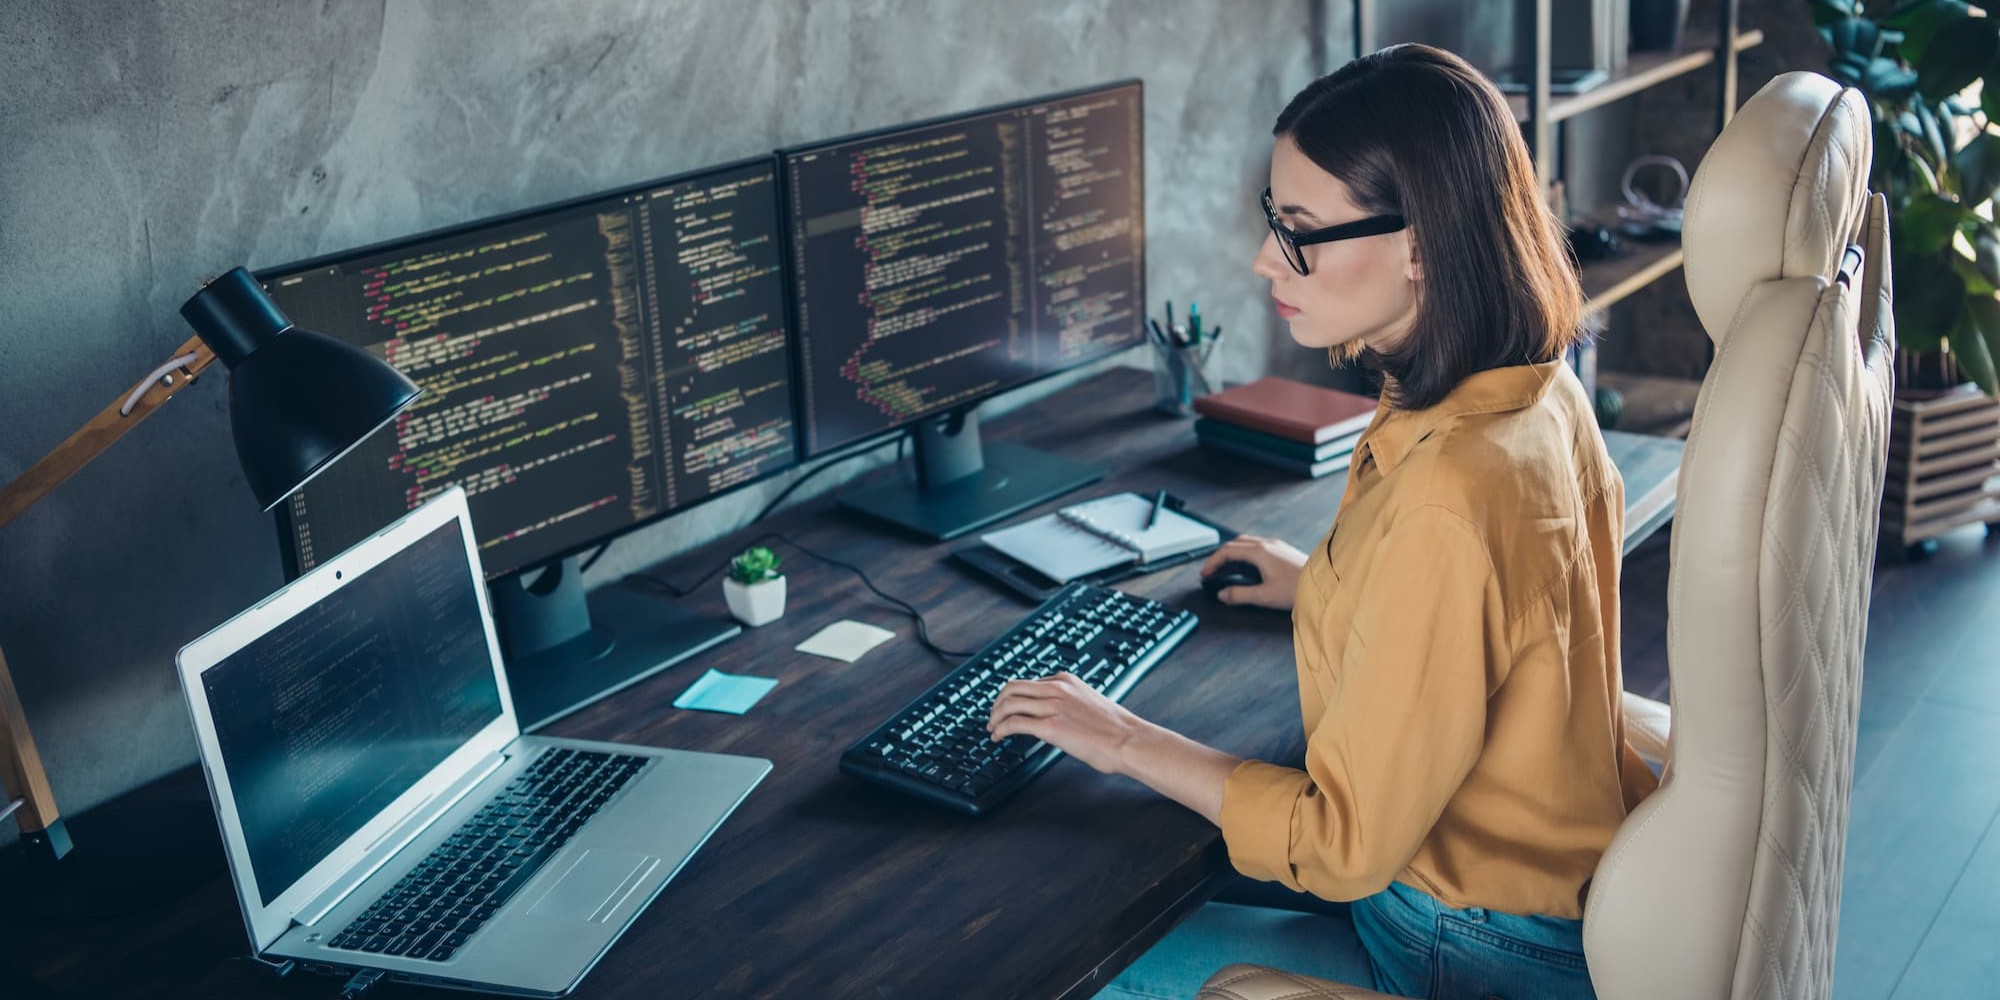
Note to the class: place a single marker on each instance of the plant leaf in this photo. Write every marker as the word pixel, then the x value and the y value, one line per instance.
pixel 1920 22
pixel 1978 167
pixel 1889 157
pixel 1924 174
pixel 1857 37
pixel 1983 314
pixel 1956 56
pixel 1969 343
pixel 1934 148
pixel 1986 252
pixel 1929 301
pixel 1976 284
pixel 1925 225
pixel 1887 81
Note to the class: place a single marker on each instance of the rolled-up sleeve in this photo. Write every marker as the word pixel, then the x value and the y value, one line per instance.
pixel 1402 727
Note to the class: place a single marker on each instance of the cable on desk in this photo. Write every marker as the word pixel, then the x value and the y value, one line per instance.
pixel 646 581
pixel 823 467
pixel 923 631
pixel 901 438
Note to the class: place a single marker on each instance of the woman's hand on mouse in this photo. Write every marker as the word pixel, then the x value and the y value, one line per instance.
pixel 1279 564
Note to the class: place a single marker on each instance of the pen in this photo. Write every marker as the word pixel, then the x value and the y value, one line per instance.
pixel 1170 315
pixel 1158 499
pixel 1158 334
pixel 1194 322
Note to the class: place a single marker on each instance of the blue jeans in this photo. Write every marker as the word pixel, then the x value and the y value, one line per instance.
pixel 1399 941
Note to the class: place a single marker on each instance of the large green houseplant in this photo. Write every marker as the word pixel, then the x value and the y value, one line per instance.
pixel 1931 72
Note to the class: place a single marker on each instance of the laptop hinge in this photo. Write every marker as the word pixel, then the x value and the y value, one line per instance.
pixel 399 836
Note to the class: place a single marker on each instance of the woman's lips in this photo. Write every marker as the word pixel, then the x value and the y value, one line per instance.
pixel 1285 311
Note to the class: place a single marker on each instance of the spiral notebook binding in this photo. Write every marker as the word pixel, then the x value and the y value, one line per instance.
pixel 1113 534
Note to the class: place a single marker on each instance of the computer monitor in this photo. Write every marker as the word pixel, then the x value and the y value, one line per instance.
pixel 935 265
pixel 589 367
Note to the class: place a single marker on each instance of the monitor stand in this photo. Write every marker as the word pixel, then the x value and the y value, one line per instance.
pixel 566 650
pixel 961 485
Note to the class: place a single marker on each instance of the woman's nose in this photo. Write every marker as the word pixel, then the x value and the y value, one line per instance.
pixel 1269 263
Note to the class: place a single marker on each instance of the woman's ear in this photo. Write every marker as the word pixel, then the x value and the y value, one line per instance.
pixel 1413 269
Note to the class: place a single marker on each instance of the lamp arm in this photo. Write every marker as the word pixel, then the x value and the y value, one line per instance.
pixel 107 427
pixel 160 374
pixel 21 772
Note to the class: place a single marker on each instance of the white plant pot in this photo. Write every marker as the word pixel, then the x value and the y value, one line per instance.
pixel 756 603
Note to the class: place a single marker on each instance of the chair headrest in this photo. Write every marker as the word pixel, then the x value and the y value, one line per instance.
pixel 1779 195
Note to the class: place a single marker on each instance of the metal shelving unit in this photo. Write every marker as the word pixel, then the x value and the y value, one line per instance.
pixel 1653 404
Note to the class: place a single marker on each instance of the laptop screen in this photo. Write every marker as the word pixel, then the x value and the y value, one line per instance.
pixel 326 719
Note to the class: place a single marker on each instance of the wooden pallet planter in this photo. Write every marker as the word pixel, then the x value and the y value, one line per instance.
pixel 1944 466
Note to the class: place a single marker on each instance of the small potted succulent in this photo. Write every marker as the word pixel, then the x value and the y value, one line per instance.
pixel 755 589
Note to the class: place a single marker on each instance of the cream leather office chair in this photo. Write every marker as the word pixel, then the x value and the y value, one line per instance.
pixel 1726 882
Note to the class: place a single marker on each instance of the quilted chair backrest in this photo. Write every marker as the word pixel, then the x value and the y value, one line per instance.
pixel 1726 882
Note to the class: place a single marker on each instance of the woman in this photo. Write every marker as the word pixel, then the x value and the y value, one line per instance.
pixel 1457 628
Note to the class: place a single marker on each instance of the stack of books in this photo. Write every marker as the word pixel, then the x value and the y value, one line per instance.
pixel 1306 429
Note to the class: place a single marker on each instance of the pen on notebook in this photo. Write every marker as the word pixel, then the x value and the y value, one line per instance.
pixel 1154 517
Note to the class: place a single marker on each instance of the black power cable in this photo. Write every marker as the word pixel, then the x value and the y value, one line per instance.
pixel 598 553
pixel 646 581
pixel 822 467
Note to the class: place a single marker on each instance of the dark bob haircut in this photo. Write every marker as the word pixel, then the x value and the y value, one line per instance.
pixel 1416 131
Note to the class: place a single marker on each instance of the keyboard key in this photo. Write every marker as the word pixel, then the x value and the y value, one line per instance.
pixel 1105 638
pixel 433 910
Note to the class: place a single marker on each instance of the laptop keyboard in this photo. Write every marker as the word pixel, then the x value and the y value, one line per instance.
pixel 431 912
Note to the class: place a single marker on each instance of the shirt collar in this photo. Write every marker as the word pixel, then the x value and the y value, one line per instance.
pixel 1395 432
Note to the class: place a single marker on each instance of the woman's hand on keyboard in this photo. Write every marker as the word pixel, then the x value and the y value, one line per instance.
pixel 1068 714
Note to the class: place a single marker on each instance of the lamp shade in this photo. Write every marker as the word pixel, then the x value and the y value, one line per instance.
pixel 298 400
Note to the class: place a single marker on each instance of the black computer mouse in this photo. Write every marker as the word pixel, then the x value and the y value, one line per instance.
pixel 1234 573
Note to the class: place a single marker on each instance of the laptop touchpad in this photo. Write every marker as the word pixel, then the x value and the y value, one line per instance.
pixel 594 886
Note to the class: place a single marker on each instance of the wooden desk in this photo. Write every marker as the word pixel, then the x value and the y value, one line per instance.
pixel 821 886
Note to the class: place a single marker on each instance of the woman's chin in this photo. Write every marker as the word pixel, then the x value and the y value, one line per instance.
pixel 1305 334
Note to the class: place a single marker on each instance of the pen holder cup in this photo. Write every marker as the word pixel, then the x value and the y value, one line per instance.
pixel 1178 377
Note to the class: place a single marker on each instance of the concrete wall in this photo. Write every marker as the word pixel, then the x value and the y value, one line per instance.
pixel 146 144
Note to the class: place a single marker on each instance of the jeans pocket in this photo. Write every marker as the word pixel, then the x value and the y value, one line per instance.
pixel 1477 962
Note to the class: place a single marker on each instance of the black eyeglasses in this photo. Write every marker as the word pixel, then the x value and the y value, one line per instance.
pixel 1294 243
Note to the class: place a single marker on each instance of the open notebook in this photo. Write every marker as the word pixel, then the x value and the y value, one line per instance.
pixel 1110 531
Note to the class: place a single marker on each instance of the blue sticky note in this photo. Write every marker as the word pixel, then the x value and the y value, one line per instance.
pixel 716 691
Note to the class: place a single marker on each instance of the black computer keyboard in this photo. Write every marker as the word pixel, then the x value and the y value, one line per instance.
pixel 937 747
pixel 433 909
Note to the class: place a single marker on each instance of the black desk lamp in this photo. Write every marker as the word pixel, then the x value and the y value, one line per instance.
pixel 298 401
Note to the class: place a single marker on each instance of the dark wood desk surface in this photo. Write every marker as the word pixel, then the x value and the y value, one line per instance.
pixel 821 886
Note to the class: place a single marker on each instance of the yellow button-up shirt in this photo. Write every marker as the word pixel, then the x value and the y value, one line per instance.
pixel 1457 642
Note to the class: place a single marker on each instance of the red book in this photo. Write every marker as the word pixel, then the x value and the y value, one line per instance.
pixel 1294 410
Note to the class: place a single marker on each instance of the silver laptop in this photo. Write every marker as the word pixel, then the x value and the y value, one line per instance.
pixel 381 809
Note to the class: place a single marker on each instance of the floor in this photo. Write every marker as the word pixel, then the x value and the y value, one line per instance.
pixel 1920 903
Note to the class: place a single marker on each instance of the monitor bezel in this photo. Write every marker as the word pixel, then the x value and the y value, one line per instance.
pixel 784 155
pixel 288 552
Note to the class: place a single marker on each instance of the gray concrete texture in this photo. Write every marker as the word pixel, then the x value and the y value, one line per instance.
pixel 145 145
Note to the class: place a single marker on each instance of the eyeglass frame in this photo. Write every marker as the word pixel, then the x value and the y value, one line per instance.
pixel 1374 225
